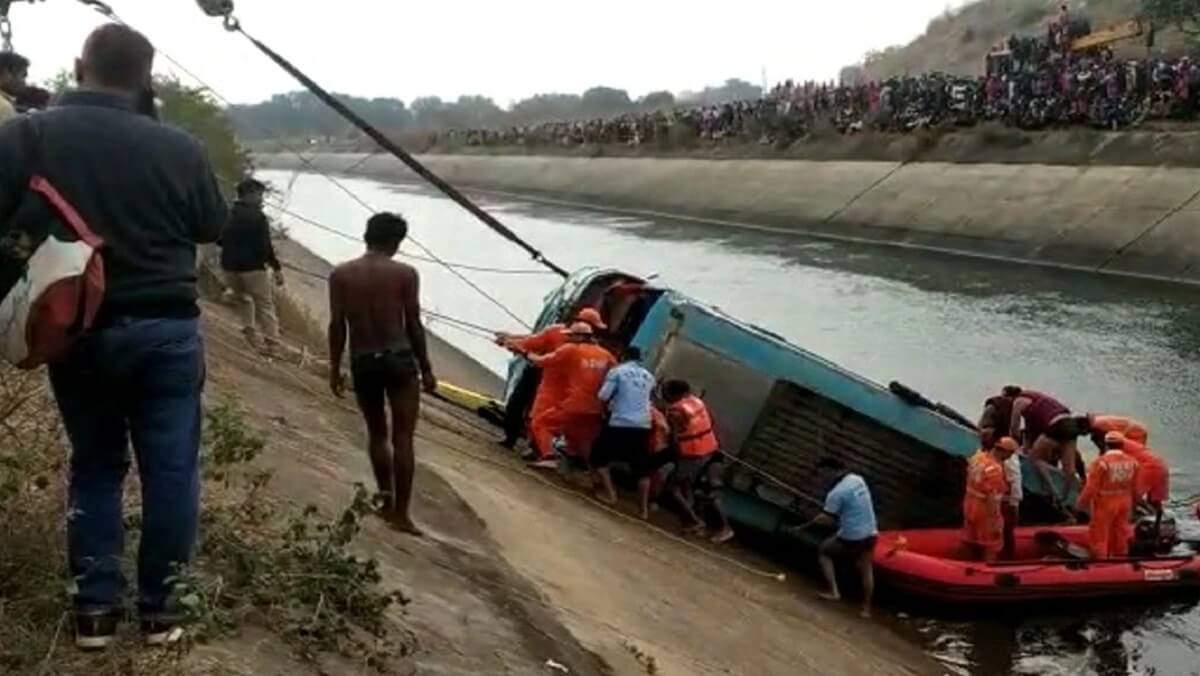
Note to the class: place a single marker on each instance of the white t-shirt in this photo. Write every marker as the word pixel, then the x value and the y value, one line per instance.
pixel 1012 472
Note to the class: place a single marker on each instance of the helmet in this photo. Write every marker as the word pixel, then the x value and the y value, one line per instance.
pixel 580 329
pixel 1114 439
pixel 591 316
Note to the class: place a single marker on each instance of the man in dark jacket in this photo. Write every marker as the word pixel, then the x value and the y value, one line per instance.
pixel 246 255
pixel 149 192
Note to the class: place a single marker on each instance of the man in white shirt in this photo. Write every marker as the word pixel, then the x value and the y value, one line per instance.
pixel 1011 507
pixel 14 68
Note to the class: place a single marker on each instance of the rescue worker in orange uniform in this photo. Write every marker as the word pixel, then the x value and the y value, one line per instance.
pixel 1154 488
pixel 987 487
pixel 549 394
pixel 1103 424
pixel 578 368
pixel 1108 495
pixel 697 450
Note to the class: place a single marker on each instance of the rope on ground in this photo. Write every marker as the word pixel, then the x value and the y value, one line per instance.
pixel 107 11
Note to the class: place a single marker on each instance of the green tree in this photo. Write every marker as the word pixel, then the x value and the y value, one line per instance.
pixel 1183 14
pixel 657 101
pixel 193 109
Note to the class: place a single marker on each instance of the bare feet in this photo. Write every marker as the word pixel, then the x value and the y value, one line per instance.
pixel 610 500
pixel 695 529
pixel 405 525
pixel 865 613
pixel 645 515
pixel 829 596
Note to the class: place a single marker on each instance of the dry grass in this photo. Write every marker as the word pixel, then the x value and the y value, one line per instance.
pixel 957 40
pixel 261 561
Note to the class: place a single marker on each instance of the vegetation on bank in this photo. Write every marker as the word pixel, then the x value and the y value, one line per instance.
pixel 262 562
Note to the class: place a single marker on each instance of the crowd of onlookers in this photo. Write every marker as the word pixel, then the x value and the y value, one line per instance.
pixel 1030 83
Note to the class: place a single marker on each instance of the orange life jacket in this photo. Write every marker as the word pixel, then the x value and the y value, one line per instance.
pixel 986 487
pixel 1113 476
pixel 696 439
pixel 1132 429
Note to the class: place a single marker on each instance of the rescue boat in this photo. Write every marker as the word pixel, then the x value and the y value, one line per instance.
pixel 1050 564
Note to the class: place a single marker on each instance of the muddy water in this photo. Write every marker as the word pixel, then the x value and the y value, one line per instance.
pixel 954 329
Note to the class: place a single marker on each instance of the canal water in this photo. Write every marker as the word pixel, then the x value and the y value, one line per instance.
pixel 953 328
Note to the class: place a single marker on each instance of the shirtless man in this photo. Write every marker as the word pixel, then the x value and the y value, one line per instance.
pixel 377 299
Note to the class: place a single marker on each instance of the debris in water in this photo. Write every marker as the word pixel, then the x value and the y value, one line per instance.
pixel 551 664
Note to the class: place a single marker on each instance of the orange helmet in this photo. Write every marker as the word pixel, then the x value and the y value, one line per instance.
pixel 1008 444
pixel 1114 440
pixel 580 329
pixel 592 317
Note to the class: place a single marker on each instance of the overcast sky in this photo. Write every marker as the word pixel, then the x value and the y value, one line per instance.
pixel 505 49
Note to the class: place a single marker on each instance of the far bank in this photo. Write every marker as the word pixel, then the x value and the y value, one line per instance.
pixel 1133 221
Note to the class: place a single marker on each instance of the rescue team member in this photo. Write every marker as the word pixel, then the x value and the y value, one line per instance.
pixel 378 300
pixel 626 392
pixel 987 488
pixel 580 367
pixel 849 506
pixel 698 453
pixel 148 190
pixel 544 396
pixel 1108 496
pixel 1154 488
pixel 1100 425
pixel 1011 507
pixel 1050 433
pixel 250 265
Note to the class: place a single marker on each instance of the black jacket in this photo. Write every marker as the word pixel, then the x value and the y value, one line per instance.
pixel 146 188
pixel 246 243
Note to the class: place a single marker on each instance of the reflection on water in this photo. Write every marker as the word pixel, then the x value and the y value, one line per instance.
pixel 955 329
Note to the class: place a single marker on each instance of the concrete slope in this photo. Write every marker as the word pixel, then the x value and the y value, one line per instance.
pixel 1127 220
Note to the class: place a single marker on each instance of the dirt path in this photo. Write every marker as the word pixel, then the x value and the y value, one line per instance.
pixel 489 594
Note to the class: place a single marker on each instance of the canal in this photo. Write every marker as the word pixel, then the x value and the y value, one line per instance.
pixel 955 329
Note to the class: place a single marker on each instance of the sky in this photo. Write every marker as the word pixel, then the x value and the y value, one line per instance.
pixel 506 49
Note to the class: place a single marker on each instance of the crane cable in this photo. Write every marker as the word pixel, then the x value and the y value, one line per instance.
pixel 108 12
pixel 223 9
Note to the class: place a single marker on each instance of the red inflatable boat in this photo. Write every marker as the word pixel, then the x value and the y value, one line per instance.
pixel 931 564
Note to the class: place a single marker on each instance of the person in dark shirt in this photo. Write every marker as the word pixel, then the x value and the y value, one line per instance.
pixel 149 191
pixel 14 68
pixel 246 255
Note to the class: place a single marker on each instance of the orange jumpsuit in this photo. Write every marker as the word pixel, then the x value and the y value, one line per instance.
pixel 1132 429
pixel 987 486
pixel 545 421
pixel 1112 482
pixel 1155 475
pixel 580 368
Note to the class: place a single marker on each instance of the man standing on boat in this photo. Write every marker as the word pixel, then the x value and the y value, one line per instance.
pixel 378 300
pixel 1154 488
pixel 983 503
pixel 1050 436
pixel 545 395
pixel 849 507
pixel 1112 485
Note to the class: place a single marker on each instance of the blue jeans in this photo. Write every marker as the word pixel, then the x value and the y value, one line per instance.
pixel 135 380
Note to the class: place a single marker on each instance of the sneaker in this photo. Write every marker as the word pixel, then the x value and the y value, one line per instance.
pixel 96 630
pixel 161 632
pixel 548 463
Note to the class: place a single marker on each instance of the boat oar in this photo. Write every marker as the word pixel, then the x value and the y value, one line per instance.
pixel 915 398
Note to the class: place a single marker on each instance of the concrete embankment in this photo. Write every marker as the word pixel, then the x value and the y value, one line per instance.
pixel 1122 220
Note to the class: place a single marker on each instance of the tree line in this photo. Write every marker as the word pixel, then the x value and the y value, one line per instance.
pixel 302 114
